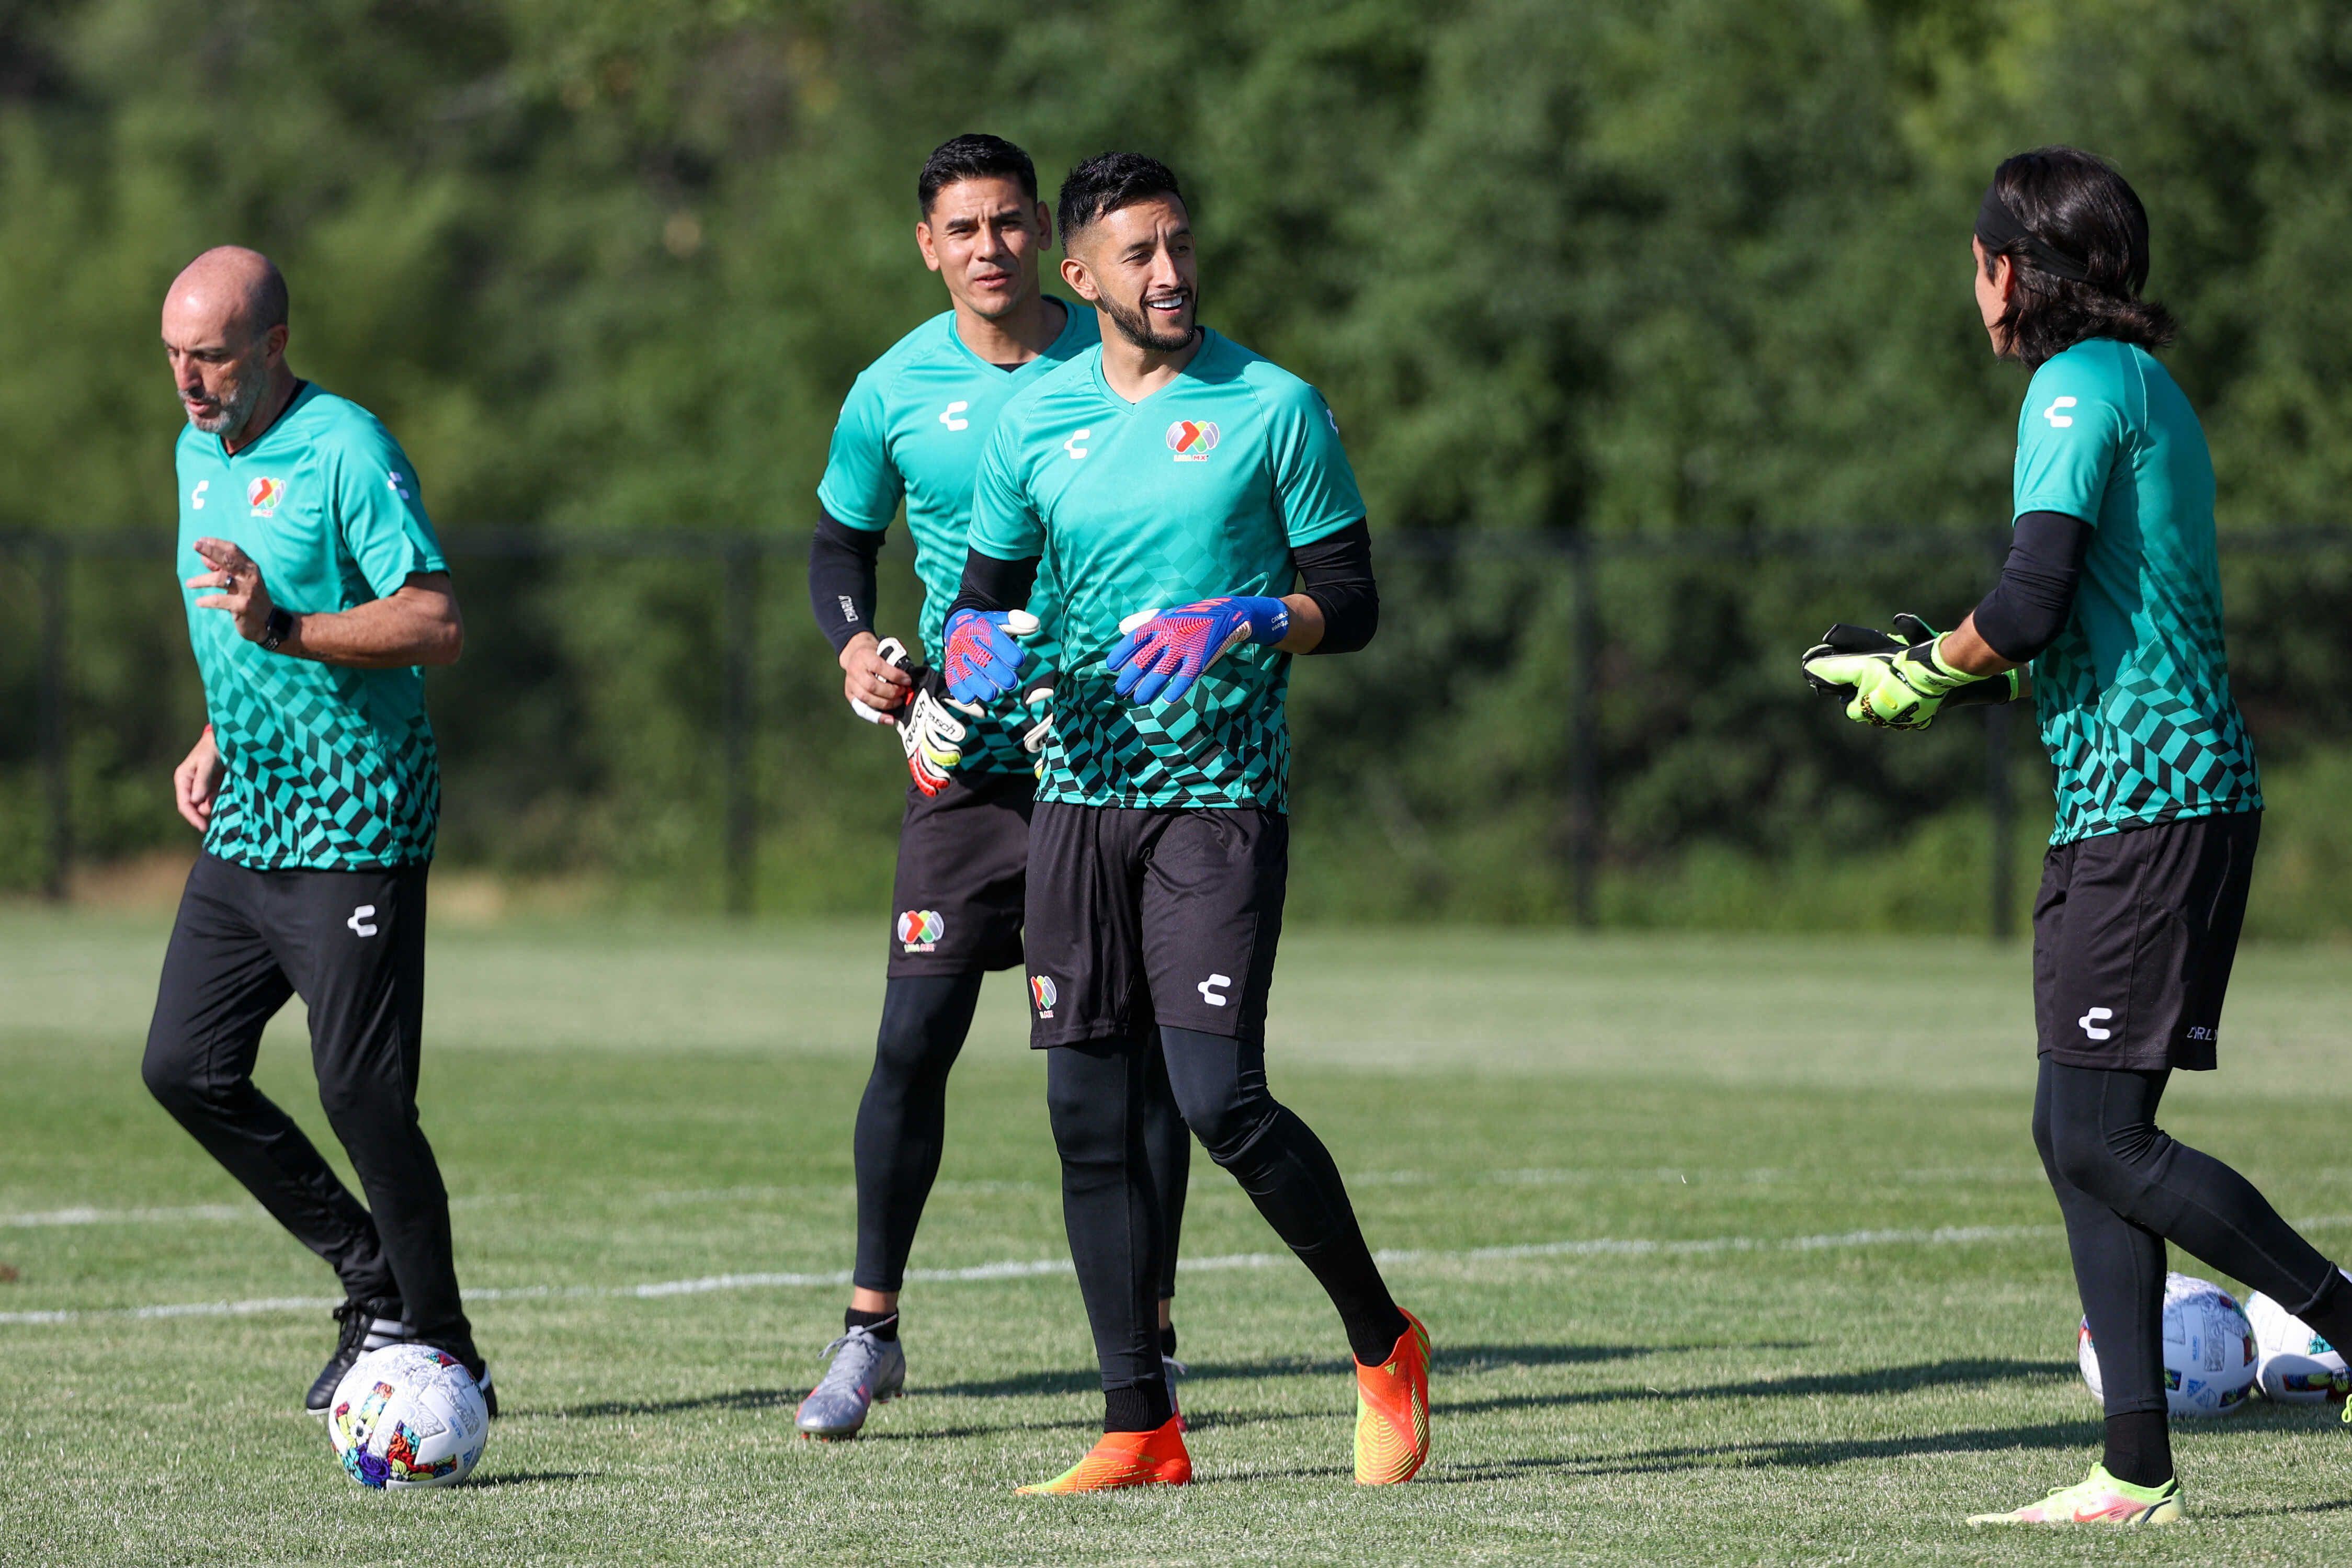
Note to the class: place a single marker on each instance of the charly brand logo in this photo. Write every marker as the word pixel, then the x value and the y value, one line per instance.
pixel 2059 421
pixel 196 496
pixel 920 930
pixel 952 415
pixel 1043 995
pixel 1193 439
pixel 263 496
pixel 399 483
pixel 361 921
pixel 1077 444
pixel 1212 990
pixel 2090 1022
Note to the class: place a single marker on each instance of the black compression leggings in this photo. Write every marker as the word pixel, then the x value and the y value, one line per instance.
pixel 2126 1188
pixel 1095 1093
pixel 902 1126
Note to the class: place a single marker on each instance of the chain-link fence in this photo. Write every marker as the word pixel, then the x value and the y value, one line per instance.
pixel 1549 727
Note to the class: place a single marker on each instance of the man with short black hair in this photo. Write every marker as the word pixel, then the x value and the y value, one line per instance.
pixel 319 591
pixel 1177 484
pixel 911 432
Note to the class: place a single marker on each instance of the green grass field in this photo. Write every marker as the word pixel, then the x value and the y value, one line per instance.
pixel 1733 1252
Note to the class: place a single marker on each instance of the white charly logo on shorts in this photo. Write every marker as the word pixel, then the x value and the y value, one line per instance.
pixel 2059 421
pixel 2091 1021
pixel 362 920
pixel 1210 992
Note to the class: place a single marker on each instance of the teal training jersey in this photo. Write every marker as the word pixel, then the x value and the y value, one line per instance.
pixel 327 768
pixel 2134 697
pixel 1200 489
pixel 913 427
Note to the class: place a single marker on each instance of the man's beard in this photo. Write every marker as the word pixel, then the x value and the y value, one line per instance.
pixel 236 406
pixel 1135 327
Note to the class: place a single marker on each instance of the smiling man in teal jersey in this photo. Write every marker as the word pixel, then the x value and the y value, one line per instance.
pixel 316 591
pixel 1172 485
pixel 912 430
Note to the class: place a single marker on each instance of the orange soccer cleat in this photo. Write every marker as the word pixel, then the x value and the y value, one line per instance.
pixel 1392 1410
pixel 1154 1458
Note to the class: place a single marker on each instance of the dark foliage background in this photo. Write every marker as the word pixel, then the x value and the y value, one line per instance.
pixel 1647 269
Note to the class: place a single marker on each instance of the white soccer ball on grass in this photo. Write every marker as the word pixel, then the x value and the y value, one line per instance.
pixel 408 1416
pixel 2210 1356
pixel 2297 1366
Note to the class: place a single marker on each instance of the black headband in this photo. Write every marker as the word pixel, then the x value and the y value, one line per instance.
pixel 2000 232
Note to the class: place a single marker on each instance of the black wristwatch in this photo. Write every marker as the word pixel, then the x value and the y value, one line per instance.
pixel 280 627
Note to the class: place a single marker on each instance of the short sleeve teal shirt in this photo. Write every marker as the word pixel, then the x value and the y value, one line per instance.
pixel 913 428
pixel 2134 697
pixel 326 767
pixel 1201 489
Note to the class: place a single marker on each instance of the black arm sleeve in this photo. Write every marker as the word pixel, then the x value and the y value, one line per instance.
pixel 841 579
pixel 992 584
pixel 1335 571
pixel 2028 607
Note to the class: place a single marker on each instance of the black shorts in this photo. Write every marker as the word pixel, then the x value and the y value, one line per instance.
pixel 963 858
pixel 1145 915
pixel 2134 934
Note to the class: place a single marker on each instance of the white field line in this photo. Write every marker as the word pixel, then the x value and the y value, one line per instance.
pixel 1031 1269
pixel 1547 1176
pixel 1028 1269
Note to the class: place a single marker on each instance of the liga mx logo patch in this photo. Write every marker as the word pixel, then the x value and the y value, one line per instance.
pixel 263 496
pixel 1043 995
pixel 1193 439
pixel 920 930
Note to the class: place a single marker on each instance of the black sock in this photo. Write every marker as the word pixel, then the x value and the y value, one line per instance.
pixel 882 1325
pixel 1168 1342
pixel 2139 1448
pixel 1138 1407
pixel 2330 1316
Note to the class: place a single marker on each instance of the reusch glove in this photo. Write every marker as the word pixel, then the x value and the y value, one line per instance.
pixel 981 656
pixel 1165 651
pixel 931 733
pixel 1976 691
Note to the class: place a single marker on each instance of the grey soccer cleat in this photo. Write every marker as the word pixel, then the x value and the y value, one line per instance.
pixel 865 1371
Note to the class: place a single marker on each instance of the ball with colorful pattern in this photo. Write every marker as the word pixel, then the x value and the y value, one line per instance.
pixel 408 1416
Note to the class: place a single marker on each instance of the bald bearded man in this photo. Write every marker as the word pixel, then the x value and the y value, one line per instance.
pixel 316 590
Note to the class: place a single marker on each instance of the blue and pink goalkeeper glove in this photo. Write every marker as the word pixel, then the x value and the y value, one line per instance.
pixel 981 656
pixel 1165 651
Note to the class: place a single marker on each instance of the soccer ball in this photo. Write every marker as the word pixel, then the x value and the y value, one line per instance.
pixel 408 1416
pixel 2209 1349
pixel 2297 1365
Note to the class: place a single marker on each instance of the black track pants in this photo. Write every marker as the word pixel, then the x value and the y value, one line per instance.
pixel 351 945
pixel 2126 1188
pixel 902 1128
pixel 1095 1093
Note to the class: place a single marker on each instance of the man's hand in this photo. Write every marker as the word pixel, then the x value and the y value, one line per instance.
pixel 196 782
pixel 1827 678
pixel 877 688
pixel 981 658
pixel 242 594
pixel 1895 686
pixel 1163 652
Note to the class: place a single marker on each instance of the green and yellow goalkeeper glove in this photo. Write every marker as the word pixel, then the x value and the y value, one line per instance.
pixel 1895 684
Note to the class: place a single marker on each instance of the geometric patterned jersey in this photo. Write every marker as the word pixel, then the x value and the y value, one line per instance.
pixel 325 767
pixel 2134 696
pixel 913 428
pixel 1201 489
